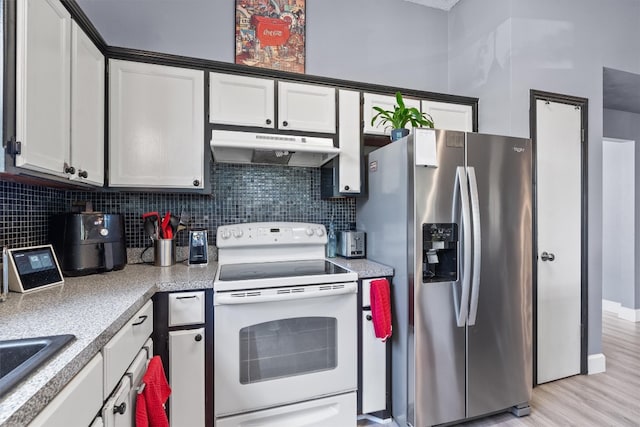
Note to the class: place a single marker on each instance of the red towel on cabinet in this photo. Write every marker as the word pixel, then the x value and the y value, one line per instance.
pixel 381 308
pixel 150 403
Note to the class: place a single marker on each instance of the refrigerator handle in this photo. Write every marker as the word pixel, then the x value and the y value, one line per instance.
pixel 477 245
pixel 461 192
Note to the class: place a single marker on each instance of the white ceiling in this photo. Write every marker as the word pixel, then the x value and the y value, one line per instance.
pixel 438 4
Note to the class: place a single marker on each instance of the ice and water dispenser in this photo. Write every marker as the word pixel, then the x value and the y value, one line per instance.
pixel 439 252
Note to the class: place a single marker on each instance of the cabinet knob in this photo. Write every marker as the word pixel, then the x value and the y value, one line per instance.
pixel 196 182
pixel 346 188
pixel 69 169
pixel 369 317
pixel 285 123
pixel 120 409
pixel 198 337
pixel 268 121
pixel 83 174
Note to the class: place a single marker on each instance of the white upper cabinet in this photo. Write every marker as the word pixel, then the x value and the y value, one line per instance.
pixel 449 116
pixel 156 126
pixel 87 108
pixel 250 101
pixel 349 162
pixel 59 94
pixel 240 100
pixel 306 107
pixel 43 95
pixel 387 102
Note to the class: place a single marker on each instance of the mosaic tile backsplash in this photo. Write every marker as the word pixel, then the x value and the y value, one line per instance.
pixel 241 193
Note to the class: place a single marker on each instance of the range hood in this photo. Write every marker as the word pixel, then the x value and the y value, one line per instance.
pixel 271 149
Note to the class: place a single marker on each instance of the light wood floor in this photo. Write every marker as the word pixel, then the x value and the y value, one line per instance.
pixel 611 398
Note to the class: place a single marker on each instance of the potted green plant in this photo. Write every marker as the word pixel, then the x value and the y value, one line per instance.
pixel 398 118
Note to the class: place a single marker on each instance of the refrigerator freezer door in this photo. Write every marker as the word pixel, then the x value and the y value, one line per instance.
pixel 439 359
pixel 499 343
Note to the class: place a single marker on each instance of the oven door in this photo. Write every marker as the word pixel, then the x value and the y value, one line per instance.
pixel 285 345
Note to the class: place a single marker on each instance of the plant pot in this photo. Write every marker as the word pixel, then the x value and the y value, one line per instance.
pixel 396 134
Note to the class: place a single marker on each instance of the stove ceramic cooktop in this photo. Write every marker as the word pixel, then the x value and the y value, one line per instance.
pixel 280 273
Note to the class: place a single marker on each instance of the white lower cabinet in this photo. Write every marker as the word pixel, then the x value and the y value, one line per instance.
pixel 186 371
pixel 79 402
pixel 373 359
pixel 121 350
pixel 116 412
pixel 334 411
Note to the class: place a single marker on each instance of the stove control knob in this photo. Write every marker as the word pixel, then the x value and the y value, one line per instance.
pixel 309 231
pixel 319 232
pixel 225 234
pixel 237 233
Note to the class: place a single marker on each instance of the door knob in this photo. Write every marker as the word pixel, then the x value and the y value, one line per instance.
pixel 547 256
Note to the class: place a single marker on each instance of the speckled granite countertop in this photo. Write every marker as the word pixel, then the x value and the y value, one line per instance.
pixel 366 269
pixel 94 308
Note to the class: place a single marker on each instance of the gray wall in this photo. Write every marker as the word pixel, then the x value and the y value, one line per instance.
pixel 626 125
pixel 618 213
pixel 387 42
pixel 552 46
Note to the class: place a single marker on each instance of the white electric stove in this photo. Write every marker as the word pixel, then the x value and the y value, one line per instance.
pixel 285 326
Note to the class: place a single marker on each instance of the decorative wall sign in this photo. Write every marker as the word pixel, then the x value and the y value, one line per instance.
pixel 271 34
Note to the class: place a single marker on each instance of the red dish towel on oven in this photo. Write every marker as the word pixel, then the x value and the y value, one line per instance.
pixel 150 403
pixel 381 308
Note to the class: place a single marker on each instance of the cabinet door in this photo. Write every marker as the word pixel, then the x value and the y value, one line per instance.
pixel 306 107
pixel 373 360
pixel 241 100
pixel 43 93
pixel 156 126
pixel 78 402
pixel 387 102
pixel 87 108
pixel 449 116
pixel 116 411
pixel 349 162
pixel 186 376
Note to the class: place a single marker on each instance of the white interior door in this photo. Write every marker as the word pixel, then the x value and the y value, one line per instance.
pixel 559 136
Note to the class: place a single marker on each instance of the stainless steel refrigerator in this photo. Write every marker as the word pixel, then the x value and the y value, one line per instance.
pixel 451 212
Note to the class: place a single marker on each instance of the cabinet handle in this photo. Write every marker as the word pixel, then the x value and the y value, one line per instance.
pixel 369 317
pixel 285 123
pixel 120 409
pixel 83 174
pixel 69 169
pixel 189 297
pixel 198 337
pixel 268 121
pixel 143 318
pixel 196 182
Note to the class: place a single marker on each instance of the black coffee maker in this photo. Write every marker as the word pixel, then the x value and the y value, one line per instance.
pixel 88 242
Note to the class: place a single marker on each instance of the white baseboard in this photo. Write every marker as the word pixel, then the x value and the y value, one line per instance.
pixel 596 363
pixel 625 313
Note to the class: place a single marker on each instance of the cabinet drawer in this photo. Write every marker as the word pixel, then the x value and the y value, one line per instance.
pixel 186 308
pixel 122 348
pixel 77 403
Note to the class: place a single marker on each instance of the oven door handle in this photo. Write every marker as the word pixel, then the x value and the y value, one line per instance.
pixel 274 295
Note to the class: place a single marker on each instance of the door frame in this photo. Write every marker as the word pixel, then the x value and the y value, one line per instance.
pixel 583 103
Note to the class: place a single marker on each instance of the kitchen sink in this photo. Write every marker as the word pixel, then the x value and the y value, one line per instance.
pixel 20 357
